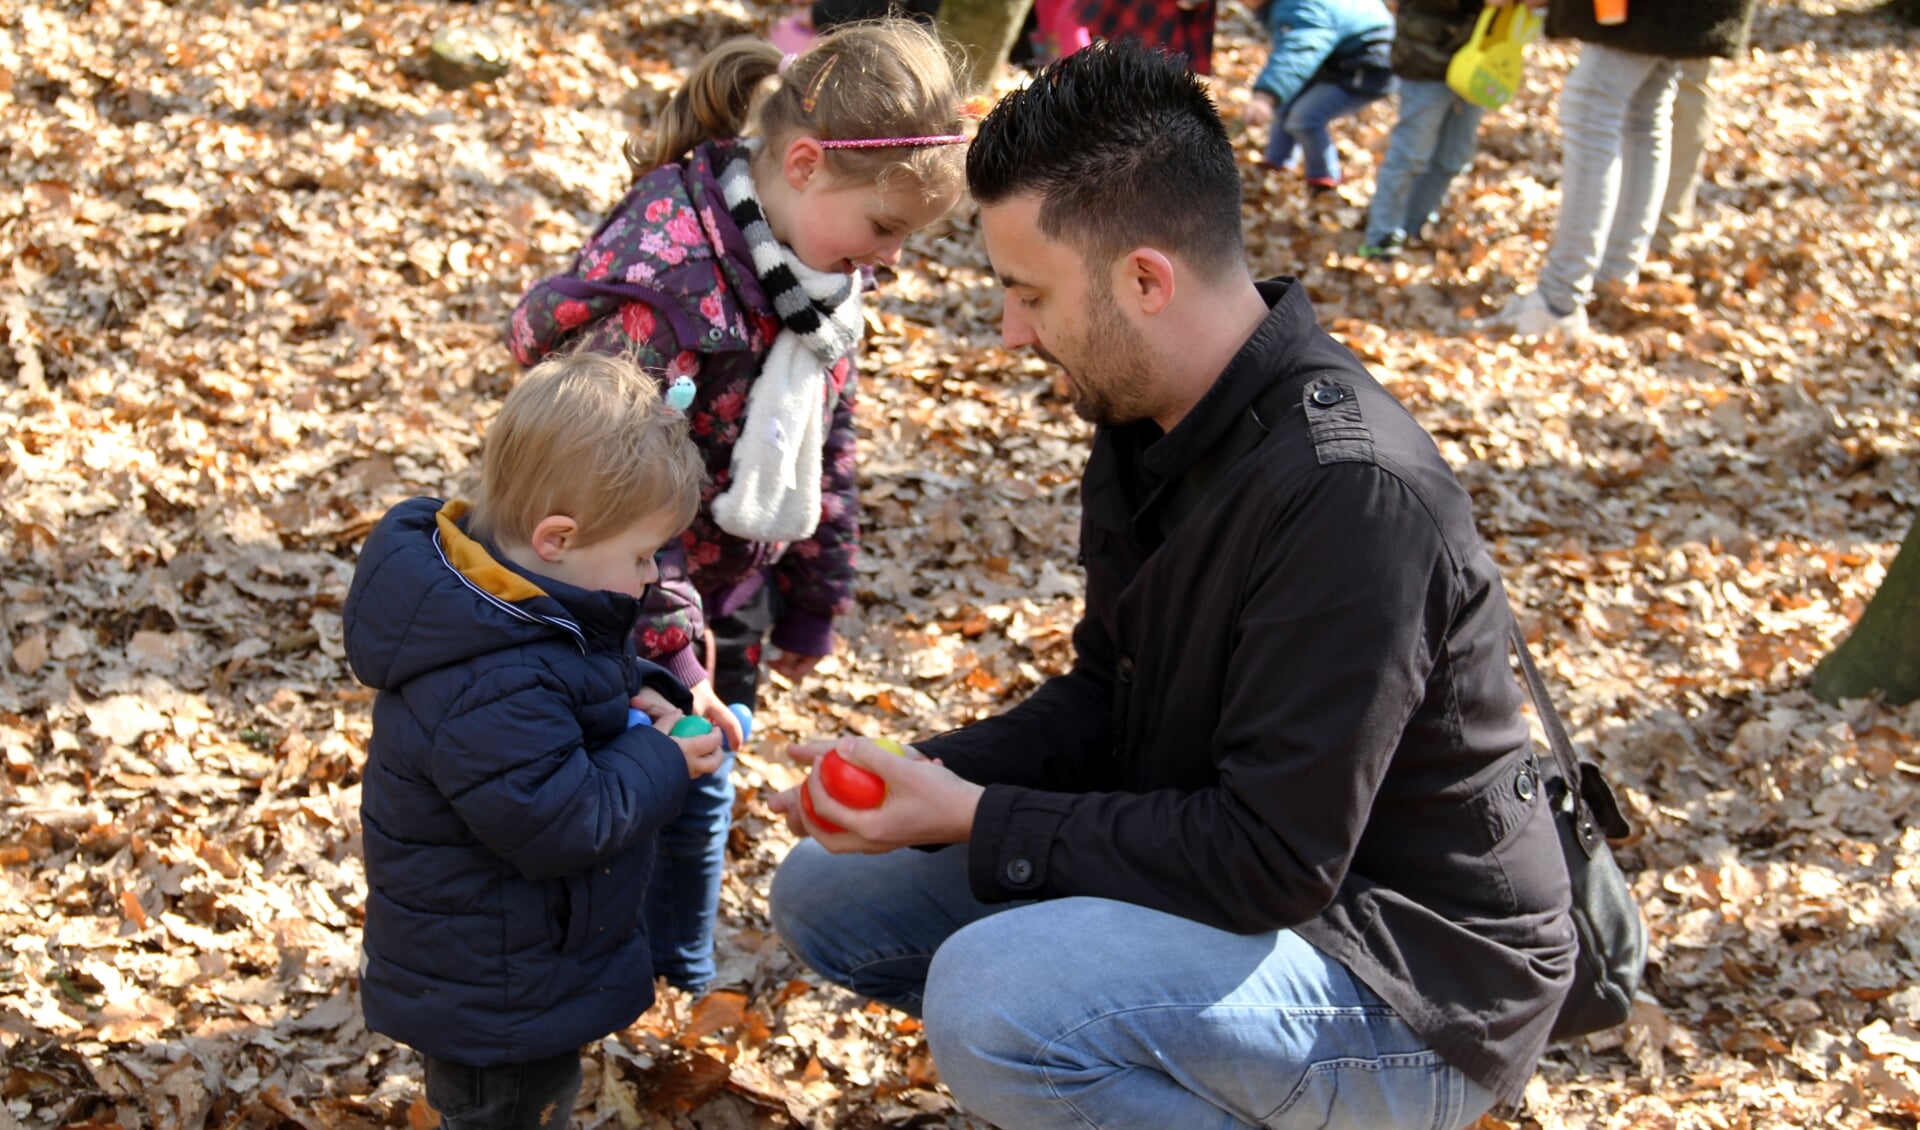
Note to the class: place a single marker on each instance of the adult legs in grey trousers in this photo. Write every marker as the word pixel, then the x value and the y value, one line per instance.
pixel 1616 125
pixel 1692 125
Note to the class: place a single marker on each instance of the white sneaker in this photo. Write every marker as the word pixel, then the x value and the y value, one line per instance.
pixel 1530 316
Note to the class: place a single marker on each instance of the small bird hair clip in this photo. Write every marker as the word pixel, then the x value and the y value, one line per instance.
pixel 679 394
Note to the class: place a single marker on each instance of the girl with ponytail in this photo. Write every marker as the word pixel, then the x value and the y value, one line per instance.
pixel 732 271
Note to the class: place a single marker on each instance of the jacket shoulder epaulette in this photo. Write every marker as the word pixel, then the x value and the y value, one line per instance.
pixel 1335 422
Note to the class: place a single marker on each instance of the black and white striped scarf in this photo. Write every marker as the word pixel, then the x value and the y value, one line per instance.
pixel 774 494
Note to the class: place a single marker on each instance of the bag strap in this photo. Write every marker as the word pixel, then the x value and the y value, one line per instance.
pixel 1589 832
pixel 1502 28
pixel 1483 28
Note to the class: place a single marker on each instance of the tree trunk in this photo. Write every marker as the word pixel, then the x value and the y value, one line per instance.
pixel 1883 651
pixel 983 31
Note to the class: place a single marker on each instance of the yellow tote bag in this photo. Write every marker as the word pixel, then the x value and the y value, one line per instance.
pixel 1486 71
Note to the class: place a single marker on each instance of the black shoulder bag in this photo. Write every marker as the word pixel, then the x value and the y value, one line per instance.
pixel 1606 920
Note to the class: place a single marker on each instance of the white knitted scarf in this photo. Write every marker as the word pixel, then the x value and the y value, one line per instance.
pixel 774 494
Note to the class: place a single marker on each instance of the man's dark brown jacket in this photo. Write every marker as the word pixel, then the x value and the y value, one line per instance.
pixel 1291 706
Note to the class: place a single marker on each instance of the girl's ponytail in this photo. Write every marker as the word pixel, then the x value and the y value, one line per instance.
pixel 888 79
pixel 715 102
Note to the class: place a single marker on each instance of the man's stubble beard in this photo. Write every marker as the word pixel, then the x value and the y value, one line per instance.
pixel 1116 390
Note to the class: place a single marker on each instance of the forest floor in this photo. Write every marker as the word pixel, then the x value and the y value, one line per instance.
pixel 256 269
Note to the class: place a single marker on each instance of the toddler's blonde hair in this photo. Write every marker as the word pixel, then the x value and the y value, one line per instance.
pixel 588 436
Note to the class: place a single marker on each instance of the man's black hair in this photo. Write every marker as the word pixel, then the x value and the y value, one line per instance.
pixel 1124 148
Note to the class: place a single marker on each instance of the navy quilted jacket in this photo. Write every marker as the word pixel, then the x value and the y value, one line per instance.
pixel 508 813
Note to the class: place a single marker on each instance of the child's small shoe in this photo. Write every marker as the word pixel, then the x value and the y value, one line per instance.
pixel 1321 186
pixel 1387 248
pixel 793 35
pixel 1530 316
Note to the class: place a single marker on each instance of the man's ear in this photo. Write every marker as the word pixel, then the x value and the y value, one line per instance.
pixel 1146 279
pixel 803 160
pixel 553 536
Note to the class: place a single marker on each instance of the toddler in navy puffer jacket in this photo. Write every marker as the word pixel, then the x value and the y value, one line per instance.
pixel 509 813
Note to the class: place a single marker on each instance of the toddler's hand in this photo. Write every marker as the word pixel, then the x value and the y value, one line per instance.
pixel 703 753
pixel 651 703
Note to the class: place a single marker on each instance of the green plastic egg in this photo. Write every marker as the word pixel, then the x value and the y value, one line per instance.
pixel 691 726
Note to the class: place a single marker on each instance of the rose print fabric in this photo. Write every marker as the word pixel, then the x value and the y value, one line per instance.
pixel 667 279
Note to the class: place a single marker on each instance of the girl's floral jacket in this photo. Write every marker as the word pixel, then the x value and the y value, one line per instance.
pixel 667 279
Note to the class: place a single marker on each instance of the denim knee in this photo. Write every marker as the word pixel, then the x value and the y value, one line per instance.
pixel 790 898
pixel 990 1008
pixel 976 1045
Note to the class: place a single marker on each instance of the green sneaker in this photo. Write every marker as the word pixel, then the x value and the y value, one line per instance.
pixel 1386 248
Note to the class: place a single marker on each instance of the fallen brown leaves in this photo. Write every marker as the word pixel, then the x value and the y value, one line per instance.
pixel 255 271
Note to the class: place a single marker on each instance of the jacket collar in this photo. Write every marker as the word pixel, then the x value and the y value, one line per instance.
pixel 726 238
pixel 592 618
pixel 1255 370
pixel 1140 482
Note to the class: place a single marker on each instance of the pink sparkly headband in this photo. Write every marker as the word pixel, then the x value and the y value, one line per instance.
pixel 896 142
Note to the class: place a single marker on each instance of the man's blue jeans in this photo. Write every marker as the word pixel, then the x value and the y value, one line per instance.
pixel 1431 142
pixel 1304 122
pixel 1090 1013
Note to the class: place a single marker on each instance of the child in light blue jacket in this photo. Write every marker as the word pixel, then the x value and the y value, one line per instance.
pixel 1329 59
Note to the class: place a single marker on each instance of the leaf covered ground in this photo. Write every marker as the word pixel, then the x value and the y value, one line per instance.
pixel 256 267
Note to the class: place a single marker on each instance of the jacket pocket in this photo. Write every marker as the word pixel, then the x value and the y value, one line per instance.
pixel 1506 802
pixel 1362 1092
pixel 454 1089
pixel 576 914
pixel 1122 703
pixel 1520 838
